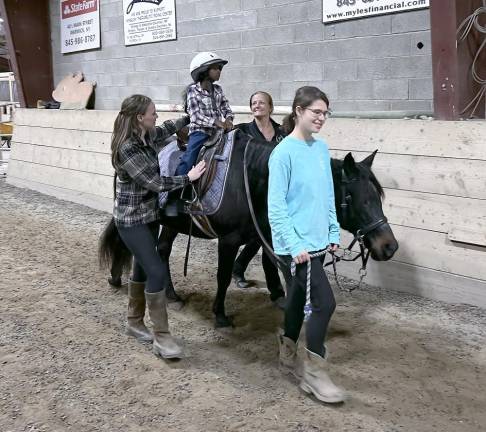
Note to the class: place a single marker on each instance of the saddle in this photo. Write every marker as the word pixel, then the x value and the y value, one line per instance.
pixel 212 154
pixel 202 198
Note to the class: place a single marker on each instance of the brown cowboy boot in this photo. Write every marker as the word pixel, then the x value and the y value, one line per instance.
pixel 315 380
pixel 164 344
pixel 288 361
pixel 136 312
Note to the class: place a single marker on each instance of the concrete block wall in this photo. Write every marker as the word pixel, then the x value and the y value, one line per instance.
pixel 379 63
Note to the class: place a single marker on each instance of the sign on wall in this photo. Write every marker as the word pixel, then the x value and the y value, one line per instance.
pixel 80 25
pixel 148 21
pixel 339 10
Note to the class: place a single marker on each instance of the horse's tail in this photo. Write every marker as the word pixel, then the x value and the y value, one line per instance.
pixel 113 253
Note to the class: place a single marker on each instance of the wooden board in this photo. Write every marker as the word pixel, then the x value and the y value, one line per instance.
pixel 435 251
pixel 77 160
pixel 467 235
pixel 433 212
pixel 447 176
pixel 463 140
pixel 64 138
pixel 76 181
pixel 84 198
pixel 420 281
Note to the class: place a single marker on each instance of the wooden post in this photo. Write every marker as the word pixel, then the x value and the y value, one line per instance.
pixel 443 23
pixel 27 32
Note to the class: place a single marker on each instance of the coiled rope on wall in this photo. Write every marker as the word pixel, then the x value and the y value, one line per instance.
pixel 463 31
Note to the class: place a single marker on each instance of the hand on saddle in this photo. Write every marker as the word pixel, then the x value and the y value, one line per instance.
pixel 228 124
pixel 197 171
pixel 302 257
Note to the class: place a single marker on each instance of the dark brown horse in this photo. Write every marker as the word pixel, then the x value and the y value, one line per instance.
pixel 358 205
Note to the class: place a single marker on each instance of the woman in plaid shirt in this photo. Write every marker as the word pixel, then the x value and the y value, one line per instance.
pixel 206 105
pixel 134 146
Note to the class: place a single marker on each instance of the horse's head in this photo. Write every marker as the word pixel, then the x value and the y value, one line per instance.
pixel 359 206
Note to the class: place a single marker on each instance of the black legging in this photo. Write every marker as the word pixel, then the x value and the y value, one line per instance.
pixel 147 264
pixel 322 302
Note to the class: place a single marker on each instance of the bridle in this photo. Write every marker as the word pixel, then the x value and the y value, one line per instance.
pixel 346 200
pixel 359 235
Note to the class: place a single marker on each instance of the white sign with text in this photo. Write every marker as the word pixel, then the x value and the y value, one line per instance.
pixel 80 25
pixel 339 10
pixel 148 21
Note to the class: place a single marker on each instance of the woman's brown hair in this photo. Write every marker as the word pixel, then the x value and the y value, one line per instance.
pixel 304 97
pixel 126 124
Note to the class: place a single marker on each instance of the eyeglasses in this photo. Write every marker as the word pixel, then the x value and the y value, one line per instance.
pixel 318 113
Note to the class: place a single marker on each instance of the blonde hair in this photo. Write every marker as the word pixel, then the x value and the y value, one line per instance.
pixel 126 123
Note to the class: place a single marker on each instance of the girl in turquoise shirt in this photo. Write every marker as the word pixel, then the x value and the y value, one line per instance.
pixel 302 217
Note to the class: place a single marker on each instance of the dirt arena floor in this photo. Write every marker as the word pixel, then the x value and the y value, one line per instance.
pixel 410 364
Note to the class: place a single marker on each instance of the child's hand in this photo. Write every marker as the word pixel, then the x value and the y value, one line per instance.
pixel 220 124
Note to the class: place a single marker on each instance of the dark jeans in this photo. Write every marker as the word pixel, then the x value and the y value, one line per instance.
pixel 269 268
pixel 322 302
pixel 189 157
pixel 245 256
pixel 147 264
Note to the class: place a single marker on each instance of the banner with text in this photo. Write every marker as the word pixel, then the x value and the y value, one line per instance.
pixel 80 25
pixel 148 21
pixel 339 10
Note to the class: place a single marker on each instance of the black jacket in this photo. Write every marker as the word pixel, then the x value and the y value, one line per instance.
pixel 252 130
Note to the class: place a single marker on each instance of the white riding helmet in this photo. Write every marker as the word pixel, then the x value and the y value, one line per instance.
pixel 201 62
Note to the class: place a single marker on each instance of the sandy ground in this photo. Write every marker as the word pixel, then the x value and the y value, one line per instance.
pixel 410 364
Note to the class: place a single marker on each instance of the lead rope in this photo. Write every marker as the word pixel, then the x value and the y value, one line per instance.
pixel 293 266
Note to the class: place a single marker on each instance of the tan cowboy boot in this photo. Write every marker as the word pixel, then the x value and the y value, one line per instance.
pixel 164 344
pixel 288 362
pixel 315 380
pixel 136 312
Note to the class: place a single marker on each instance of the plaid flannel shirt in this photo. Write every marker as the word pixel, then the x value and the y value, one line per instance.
pixel 203 112
pixel 138 180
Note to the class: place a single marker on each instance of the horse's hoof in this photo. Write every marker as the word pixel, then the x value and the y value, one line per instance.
pixel 224 321
pixel 175 305
pixel 175 301
pixel 241 282
pixel 115 282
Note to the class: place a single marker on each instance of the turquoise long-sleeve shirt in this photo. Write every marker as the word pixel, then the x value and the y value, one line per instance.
pixel 301 207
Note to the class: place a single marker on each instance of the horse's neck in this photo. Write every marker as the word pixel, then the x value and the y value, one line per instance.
pixel 336 167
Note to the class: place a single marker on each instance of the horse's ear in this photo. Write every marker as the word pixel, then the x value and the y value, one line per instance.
pixel 349 165
pixel 368 161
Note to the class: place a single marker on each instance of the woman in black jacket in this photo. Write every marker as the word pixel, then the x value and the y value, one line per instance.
pixel 262 128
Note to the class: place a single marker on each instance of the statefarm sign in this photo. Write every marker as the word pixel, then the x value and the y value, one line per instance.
pixel 80 25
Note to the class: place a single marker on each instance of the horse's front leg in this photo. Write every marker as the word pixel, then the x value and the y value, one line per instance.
pixel 227 250
pixel 166 240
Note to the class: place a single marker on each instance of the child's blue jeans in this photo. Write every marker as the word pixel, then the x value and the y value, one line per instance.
pixel 188 159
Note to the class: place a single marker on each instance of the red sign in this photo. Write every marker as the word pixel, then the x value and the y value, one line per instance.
pixel 71 8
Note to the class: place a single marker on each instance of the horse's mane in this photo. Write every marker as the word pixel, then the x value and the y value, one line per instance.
pixel 258 154
pixel 373 179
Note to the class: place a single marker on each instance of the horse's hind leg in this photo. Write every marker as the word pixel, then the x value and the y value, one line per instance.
pixel 166 240
pixel 116 271
pixel 227 250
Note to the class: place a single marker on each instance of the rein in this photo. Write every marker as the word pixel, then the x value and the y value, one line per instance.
pixel 359 237
pixel 268 248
